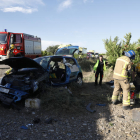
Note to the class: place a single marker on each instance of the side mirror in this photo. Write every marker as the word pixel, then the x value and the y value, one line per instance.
pixel 12 40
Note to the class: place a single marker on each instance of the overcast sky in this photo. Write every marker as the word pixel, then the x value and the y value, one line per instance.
pixel 79 22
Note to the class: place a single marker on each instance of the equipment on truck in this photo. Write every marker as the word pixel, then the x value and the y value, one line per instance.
pixel 64 45
pixel 82 52
pixel 91 53
pixel 25 45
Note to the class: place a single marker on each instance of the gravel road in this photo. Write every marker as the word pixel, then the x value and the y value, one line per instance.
pixel 107 123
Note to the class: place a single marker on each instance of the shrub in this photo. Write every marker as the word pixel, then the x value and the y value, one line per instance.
pixel 115 48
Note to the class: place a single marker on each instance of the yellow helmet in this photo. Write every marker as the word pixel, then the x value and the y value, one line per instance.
pixel 12 46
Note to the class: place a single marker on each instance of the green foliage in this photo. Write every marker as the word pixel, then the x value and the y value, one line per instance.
pixel 115 48
pixel 50 50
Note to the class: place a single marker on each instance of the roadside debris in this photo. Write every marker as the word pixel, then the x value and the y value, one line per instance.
pixel 32 103
pixel 68 90
pixel 50 121
pixel 112 86
pixel 36 120
pixel 121 116
pixel 111 82
pixel 24 127
pixel 33 113
pixel 101 104
pixel 89 109
pixel 29 125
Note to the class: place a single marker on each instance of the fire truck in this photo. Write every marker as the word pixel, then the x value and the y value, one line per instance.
pixel 25 45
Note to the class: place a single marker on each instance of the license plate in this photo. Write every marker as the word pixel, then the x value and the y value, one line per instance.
pixel 4 90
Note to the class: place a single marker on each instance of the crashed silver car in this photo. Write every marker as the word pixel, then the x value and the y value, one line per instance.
pixel 27 74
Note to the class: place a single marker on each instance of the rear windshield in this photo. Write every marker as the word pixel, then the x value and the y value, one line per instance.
pixel 3 38
pixel 96 53
pixel 65 52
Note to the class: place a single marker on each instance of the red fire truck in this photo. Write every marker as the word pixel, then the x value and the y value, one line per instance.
pixel 25 45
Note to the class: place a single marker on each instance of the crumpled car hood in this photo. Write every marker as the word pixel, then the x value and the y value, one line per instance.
pixel 21 62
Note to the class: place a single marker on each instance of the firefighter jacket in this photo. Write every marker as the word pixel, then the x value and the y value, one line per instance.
pixel 10 53
pixel 97 63
pixel 122 68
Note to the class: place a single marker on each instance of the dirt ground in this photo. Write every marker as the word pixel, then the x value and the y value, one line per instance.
pixel 108 122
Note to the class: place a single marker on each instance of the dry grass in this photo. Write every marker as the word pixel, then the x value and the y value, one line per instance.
pixel 59 97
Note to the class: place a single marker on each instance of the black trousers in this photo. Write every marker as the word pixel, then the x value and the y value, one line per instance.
pixel 96 77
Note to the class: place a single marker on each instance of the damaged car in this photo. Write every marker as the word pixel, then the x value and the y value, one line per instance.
pixel 27 74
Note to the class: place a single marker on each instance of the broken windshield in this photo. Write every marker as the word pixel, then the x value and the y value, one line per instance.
pixel 3 38
pixel 43 61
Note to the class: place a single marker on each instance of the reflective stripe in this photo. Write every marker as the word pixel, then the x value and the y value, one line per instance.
pixel 114 97
pixel 127 102
pixel 124 69
pixel 123 60
pixel 128 95
pixel 120 74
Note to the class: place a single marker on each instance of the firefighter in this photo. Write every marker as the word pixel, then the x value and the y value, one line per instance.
pixel 9 55
pixel 136 80
pixel 99 67
pixel 121 77
pixel 10 51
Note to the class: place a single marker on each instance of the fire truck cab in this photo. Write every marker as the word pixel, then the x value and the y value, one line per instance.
pixel 25 45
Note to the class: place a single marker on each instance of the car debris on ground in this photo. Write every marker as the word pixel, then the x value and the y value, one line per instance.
pixel 50 121
pixel 89 109
pixel 33 103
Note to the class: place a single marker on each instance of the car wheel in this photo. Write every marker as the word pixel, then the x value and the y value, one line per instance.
pixel 79 80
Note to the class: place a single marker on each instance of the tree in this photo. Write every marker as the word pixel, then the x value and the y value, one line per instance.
pixel 50 50
pixel 115 48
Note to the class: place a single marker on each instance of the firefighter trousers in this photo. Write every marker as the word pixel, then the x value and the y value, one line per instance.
pixel 125 85
pixel 96 77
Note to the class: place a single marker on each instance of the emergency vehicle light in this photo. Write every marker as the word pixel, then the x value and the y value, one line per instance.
pixel 5 30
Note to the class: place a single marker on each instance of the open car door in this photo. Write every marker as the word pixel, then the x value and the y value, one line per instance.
pixel 67 51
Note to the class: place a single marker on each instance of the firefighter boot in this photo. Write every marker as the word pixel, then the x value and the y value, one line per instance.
pixel 114 102
pixel 126 107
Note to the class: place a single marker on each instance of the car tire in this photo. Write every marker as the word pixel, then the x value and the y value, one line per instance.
pixel 79 80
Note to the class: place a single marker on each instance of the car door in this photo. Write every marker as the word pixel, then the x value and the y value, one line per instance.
pixel 73 68
pixel 67 51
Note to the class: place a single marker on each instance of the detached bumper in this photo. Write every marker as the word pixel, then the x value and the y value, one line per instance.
pixel 9 95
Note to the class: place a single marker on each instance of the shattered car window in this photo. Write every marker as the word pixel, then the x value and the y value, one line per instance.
pixel 71 61
pixel 43 61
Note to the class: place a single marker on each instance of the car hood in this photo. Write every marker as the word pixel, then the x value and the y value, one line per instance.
pixel 21 62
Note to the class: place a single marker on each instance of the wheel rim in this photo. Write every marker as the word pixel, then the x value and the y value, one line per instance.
pixel 79 81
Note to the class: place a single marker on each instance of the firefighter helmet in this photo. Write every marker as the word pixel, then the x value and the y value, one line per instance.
pixel 12 46
pixel 130 54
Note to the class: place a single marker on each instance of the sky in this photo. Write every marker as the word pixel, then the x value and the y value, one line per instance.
pixel 85 23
